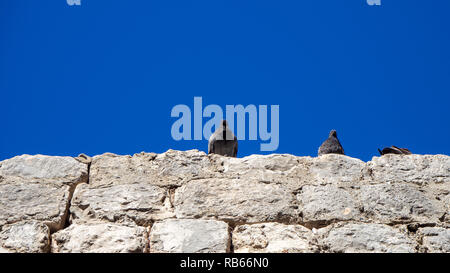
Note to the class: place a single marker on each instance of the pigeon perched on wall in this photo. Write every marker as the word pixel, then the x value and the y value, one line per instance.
pixel 223 141
pixel 394 150
pixel 331 145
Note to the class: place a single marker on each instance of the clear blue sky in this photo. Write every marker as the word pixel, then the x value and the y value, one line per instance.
pixel 104 76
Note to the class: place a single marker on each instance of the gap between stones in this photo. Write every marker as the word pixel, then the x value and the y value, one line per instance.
pixel 65 221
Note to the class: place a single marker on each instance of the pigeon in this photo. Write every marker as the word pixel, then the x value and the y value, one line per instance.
pixel 223 141
pixel 394 150
pixel 331 145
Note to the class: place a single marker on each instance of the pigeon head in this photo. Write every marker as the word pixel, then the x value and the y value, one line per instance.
pixel 224 123
pixel 333 133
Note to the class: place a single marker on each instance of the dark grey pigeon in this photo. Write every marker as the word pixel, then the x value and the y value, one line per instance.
pixel 223 141
pixel 394 150
pixel 331 145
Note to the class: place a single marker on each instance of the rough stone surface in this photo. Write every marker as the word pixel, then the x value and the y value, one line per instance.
pixel 364 238
pixel 34 201
pixel 336 169
pixel 100 237
pixel 42 168
pixel 189 236
pixel 435 239
pixel 418 169
pixel 273 238
pixel 321 205
pixel 169 169
pixel 187 201
pixel 396 203
pixel 235 200
pixel 138 203
pixel 38 188
pixel 274 169
pixel 294 172
pixel 28 236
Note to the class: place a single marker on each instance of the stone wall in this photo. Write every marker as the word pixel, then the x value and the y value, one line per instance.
pixel 193 202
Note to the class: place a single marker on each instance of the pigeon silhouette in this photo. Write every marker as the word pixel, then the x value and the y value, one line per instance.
pixel 331 145
pixel 394 150
pixel 223 141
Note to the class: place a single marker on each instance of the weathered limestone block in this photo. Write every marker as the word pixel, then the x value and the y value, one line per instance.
pixel 276 168
pixel 258 163
pixel 294 172
pixel 42 168
pixel 107 169
pixel 435 239
pixel 336 169
pixel 397 203
pixel 326 204
pixel 171 168
pixel 126 203
pixel 38 188
pixel 34 201
pixel 235 200
pixel 418 169
pixel 364 238
pixel 189 236
pixel 179 167
pixel 100 238
pixel 25 237
pixel 273 238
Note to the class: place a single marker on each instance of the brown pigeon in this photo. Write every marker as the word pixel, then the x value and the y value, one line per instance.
pixel 394 150
pixel 331 145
